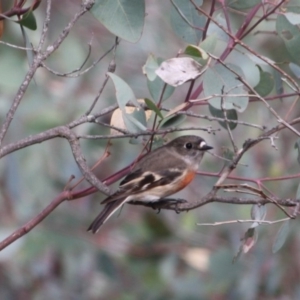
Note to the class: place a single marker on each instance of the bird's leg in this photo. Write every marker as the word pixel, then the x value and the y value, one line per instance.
pixel 165 202
pixel 168 201
pixel 175 201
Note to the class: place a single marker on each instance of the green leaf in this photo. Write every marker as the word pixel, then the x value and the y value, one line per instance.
pixel 219 79
pixel 135 122
pixel 297 146
pixel 266 83
pixel 293 6
pixel 155 88
pixel 28 20
pixel 210 43
pixel 180 25
pixel 291 36
pixel 124 18
pixel 172 121
pixel 231 115
pixel 151 105
pixel 195 51
pixel 124 92
pixel 242 4
pixel 150 67
pixel 295 69
pixel 278 82
pixel 258 212
pixel 281 236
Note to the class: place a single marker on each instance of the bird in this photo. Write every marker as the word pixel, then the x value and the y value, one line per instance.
pixel 159 174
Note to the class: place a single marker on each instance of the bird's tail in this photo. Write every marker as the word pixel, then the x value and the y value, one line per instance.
pixel 104 215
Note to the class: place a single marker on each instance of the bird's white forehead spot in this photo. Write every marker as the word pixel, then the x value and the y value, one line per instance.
pixel 202 144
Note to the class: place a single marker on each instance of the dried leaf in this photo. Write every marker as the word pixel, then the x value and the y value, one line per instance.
pixel 176 71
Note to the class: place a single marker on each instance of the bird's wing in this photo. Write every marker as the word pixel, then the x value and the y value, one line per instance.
pixel 139 181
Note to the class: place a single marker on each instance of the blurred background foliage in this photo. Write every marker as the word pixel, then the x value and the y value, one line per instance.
pixel 138 254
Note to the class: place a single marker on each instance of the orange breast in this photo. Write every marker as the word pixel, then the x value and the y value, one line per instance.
pixel 187 178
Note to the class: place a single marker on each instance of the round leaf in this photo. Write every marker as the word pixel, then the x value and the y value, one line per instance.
pixel 266 83
pixel 176 71
pixel 291 36
pixel 123 18
pixel 231 115
pixel 188 15
pixel 218 80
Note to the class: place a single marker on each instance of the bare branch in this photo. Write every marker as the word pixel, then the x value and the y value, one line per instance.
pixel 39 57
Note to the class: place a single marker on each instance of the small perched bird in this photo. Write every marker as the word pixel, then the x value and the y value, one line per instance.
pixel 159 174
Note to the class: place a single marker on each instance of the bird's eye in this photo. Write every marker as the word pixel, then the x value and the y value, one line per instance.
pixel 188 146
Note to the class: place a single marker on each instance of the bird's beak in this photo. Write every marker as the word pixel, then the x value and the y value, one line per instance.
pixel 204 147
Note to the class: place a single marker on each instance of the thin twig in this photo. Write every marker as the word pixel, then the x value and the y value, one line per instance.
pixel 235 149
pixel 261 222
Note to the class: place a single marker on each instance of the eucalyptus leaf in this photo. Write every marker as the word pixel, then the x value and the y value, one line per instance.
pixel 28 20
pixel 266 83
pixel 209 44
pixel 172 121
pixel 132 124
pixel 150 67
pixel 124 92
pixel 153 107
pixel 231 115
pixel 278 82
pixel 178 70
pixel 290 34
pixel 221 81
pixel 124 18
pixel 195 51
pixel 242 4
pixel 293 6
pixel 138 117
pixel 155 88
pixel 183 15
pixel 154 83
pixel 258 212
pixel 281 236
